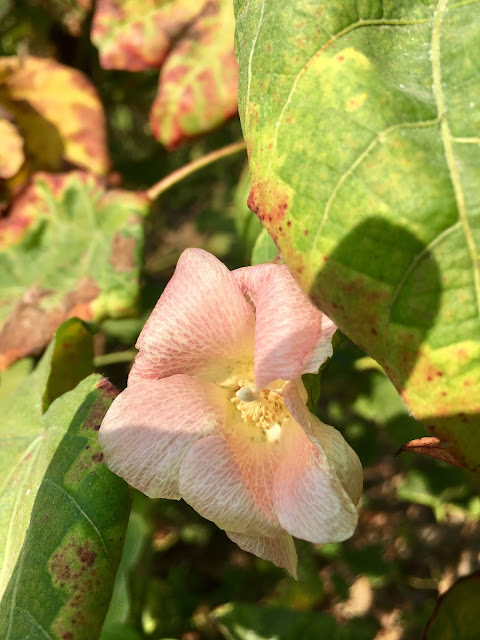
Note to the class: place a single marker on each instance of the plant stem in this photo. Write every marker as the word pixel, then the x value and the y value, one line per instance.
pixel 116 357
pixel 178 175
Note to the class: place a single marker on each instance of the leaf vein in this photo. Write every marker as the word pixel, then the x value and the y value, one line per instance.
pixel 381 22
pixel 448 145
pixel 85 515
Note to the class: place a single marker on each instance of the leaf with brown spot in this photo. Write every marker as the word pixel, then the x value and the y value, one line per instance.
pixel 68 248
pixel 62 521
pixel 191 42
pixel 58 113
pixel 363 119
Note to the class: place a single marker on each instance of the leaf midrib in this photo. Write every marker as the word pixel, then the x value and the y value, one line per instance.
pixel 448 146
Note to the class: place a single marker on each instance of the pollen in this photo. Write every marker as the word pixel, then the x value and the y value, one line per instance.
pixel 264 408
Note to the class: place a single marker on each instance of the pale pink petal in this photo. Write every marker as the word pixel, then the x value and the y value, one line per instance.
pixel 151 425
pixel 228 480
pixel 202 324
pixel 309 499
pixel 295 396
pixel 292 336
pixel 341 457
pixel 279 550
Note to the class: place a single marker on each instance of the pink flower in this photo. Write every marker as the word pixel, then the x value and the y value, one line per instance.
pixel 215 410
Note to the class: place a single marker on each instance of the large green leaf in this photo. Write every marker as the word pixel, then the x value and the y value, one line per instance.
pixel 361 121
pixel 63 515
pixel 456 614
pixel 68 248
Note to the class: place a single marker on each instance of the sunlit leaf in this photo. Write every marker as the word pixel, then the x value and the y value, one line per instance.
pixel 57 111
pixel 456 614
pixel 137 36
pixel 361 120
pixel 11 149
pixel 26 446
pixel 68 248
pixel 191 42
pixel 264 249
pixel 63 515
pixel 197 88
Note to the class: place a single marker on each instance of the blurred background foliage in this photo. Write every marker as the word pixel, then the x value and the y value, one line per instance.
pixel 180 577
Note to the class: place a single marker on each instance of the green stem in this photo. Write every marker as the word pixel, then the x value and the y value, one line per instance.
pixel 116 357
pixel 178 175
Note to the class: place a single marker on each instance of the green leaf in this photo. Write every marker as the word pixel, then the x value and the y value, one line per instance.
pixel 456 614
pixel 362 120
pixel 26 445
pixel 67 248
pixel 63 515
pixel 264 249
pixel 257 622
pixel 13 376
pixel 247 225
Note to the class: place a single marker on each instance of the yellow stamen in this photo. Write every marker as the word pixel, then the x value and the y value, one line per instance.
pixel 264 408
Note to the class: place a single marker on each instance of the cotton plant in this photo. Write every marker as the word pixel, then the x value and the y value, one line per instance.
pixel 215 410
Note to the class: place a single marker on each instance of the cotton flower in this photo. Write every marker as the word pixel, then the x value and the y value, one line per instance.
pixel 215 410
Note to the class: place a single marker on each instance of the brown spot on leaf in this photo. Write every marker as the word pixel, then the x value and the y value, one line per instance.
pixel 85 554
pixel 31 324
pixel 122 257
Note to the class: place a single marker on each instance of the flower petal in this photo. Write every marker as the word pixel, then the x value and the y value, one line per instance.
pixel 229 485
pixel 202 324
pixel 279 550
pixel 292 336
pixel 152 424
pixel 341 457
pixel 309 499
pixel 295 396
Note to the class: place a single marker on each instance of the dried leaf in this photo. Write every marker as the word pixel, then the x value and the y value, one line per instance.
pixel 433 447
pixel 68 248
pixel 57 111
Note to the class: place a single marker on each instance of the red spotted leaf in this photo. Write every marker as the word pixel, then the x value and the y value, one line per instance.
pixel 63 515
pixel 68 248
pixel 197 89
pixel 361 121
pixel 192 45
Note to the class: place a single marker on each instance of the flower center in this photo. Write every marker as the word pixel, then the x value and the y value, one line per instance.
pixel 265 408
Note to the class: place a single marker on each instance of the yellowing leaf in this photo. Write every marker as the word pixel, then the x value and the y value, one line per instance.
pixel 136 36
pixel 57 111
pixel 191 43
pixel 11 149
pixel 68 248
pixel 361 120
pixel 197 88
